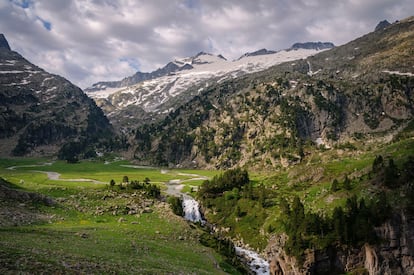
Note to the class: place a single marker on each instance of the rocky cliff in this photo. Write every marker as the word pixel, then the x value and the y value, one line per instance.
pixel 40 112
pixel 394 253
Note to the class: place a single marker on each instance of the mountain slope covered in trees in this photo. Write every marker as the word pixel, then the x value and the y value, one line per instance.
pixel 354 94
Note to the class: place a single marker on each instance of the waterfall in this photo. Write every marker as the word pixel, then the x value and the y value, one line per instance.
pixel 191 210
pixel 256 263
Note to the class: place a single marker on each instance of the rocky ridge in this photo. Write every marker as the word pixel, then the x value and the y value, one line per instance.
pixel 40 112
pixel 313 45
pixel 152 98
pixel 382 25
pixel 3 42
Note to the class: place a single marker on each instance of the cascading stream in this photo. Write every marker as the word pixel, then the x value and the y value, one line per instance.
pixel 191 210
pixel 257 264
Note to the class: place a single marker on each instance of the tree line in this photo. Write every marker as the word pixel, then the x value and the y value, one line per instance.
pixel 151 190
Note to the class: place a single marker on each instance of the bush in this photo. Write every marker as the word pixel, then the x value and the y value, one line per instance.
pixel 112 183
pixel 176 205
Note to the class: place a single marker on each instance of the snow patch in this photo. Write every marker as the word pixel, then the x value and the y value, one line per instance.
pixel 152 93
pixel 104 93
pixel 12 72
pixel 9 63
pixel 51 89
pixel 398 73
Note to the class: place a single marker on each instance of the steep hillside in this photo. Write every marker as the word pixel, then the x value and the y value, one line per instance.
pixel 146 97
pixel 40 112
pixel 351 95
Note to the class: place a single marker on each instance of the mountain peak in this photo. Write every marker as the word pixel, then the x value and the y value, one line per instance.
pixel 3 42
pixel 204 58
pixel 313 45
pixel 222 57
pixel 382 25
pixel 258 52
pixel 201 53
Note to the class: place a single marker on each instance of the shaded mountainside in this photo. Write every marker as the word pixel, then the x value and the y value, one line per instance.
pixel 353 94
pixel 313 45
pixel 40 112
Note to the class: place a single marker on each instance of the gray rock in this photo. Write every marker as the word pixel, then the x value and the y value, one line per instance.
pixel 382 25
pixel 3 42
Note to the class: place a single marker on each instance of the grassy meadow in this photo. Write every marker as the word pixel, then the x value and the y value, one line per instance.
pixel 88 229
pixel 91 228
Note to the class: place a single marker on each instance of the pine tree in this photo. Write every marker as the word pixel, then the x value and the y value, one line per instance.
pixel 335 185
pixel 347 183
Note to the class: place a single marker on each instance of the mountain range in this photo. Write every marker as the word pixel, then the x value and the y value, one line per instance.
pixel 357 93
pixel 145 97
pixel 211 112
pixel 329 131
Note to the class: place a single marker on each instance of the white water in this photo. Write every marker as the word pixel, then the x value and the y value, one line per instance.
pixel 192 210
pixel 256 263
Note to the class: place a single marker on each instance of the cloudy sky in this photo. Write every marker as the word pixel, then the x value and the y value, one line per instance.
pixel 91 40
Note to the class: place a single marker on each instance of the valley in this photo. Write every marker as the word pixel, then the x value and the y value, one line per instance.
pixel 300 159
pixel 87 228
pixel 98 219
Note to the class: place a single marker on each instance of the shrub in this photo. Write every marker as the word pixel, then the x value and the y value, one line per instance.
pixel 176 205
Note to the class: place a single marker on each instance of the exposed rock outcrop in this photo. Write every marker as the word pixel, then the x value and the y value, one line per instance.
pixel 394 254
pixel 382 25
pixel 3 42
pixel 313 45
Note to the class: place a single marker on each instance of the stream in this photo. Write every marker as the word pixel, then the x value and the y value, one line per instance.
pixel 191 209
pixel 256 263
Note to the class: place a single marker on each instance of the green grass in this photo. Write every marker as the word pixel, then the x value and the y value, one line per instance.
pixel 97 170
pixel 311 181
pixel 78 240
pixel 110 247
pixel 111 241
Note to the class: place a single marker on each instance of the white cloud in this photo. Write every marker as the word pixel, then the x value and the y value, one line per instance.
pixel 91 40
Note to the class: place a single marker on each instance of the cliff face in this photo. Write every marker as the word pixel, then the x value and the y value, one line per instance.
pixel 40 112
pixel 396 254
pixel 393 255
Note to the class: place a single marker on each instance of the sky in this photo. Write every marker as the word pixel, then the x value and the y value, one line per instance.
pixel 87 41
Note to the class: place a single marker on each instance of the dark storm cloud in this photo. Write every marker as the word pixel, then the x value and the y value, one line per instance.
pixel 91 40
